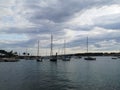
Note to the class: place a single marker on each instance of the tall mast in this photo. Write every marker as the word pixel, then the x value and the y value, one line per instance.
pixel 87 44
pixel 51 52
pixel 64 47
pixel 38 49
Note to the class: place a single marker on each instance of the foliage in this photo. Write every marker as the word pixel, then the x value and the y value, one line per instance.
pixel 4 53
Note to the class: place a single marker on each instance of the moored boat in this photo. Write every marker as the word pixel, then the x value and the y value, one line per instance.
pixel 39 59
pixel 65 58
pixel 88 57
pixel 9 59
pixel 52 58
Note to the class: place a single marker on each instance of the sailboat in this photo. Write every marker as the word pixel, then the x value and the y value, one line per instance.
pixel 114 57
pixel 117 56
pixel 65 58
pixel 52 58
pixel 89 57
pixel 39 59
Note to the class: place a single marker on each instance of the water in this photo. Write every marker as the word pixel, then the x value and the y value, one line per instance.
pixel 77 74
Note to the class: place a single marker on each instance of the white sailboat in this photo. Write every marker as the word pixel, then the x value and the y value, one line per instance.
pixel 89 57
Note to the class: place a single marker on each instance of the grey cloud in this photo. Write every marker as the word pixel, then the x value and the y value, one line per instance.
pixel 111 26
pixel 51 19
pixel 44 29
pixel 80 27
pixel 60 11
pixel 108 22
pixel 81 42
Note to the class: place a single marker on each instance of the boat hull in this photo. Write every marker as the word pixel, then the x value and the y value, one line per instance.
pixel 39 60
pixel 9 60
pixel 114 58
pixel 66 59
pixel 53 59
pixel 89 58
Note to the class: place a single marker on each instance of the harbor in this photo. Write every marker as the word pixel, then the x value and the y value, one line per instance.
pixel 77 74
pixel 59 44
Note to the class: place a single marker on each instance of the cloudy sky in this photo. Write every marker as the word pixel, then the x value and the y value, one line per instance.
pixel 24 22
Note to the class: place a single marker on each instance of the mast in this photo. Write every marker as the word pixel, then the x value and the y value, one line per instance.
pixel 65 57
pixel 52 58
pixel 38 49
pixel 51 51
pixel 87 44
pixel 64 47
pixel 88 57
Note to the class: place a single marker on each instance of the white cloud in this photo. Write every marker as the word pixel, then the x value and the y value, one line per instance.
pixel 107 45
pixel 87 17
pixel 7 3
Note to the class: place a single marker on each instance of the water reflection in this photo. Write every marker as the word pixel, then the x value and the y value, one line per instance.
pixel 102 74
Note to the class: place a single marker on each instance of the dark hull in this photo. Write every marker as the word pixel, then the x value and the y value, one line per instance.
pixel 89 58
pixel 114 58
pixel 66 59
pixel 53 59
pixel 39 60
pixel 118 56
pixel 9 60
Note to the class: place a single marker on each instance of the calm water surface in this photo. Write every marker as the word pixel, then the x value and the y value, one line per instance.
pixel 77 74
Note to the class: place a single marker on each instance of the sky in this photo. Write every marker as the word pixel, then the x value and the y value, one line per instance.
pixel 24 22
